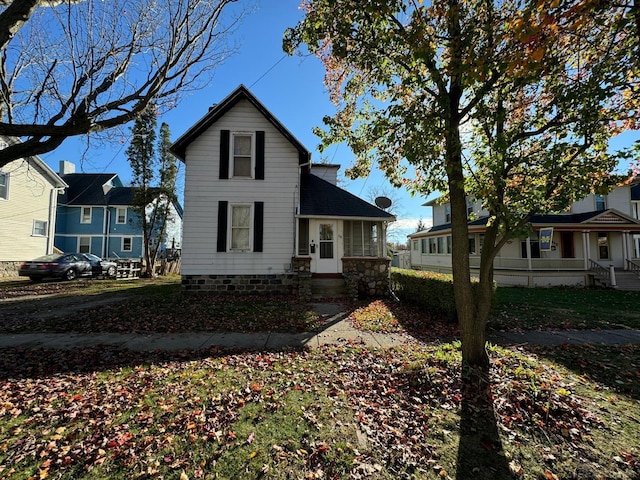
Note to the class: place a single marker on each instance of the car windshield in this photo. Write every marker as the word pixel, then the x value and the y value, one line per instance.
pixel 92 257
pixel 48 258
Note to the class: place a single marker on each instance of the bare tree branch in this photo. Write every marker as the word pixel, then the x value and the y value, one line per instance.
pixel 83 66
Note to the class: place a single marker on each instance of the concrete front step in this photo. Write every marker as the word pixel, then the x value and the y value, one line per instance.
pixel 328 287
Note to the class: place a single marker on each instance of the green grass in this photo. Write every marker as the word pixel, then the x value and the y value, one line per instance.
pixel 564 308
pixel 329 413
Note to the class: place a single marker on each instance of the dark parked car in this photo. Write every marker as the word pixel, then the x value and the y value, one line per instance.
pixel 67 266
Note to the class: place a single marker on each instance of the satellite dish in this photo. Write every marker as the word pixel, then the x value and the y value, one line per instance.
pixel 383 202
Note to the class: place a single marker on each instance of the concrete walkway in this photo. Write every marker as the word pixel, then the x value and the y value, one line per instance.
pixel 338 330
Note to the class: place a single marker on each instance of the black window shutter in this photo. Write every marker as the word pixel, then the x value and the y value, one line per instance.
pixel 222 226
pixel 224 154
pixel 259 155
pixel 258 222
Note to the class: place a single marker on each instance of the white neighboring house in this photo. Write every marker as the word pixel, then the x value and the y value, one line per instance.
pixel 260 217
pixel 598 234
pixel 29 192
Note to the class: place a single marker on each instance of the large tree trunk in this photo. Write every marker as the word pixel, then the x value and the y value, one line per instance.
pixel 474 354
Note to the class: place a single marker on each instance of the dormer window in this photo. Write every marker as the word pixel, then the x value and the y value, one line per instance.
pixel 601 202
pixel 242 157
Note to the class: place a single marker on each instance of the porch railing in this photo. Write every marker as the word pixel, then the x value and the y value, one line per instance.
pixel 507 263
pixel 601 273
pixel 633 266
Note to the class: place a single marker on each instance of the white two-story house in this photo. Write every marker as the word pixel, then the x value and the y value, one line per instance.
pixel 598 234
pixel 260 217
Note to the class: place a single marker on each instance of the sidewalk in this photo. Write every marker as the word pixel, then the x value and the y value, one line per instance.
pixel 338 331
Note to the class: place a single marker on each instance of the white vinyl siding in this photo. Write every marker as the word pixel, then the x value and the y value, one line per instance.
pixel 204 189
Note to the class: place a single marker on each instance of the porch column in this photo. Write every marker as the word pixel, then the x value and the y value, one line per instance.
pixel 528 243
pixel 625 249
pixel 585 249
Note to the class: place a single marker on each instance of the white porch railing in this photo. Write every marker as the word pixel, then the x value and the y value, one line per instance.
pixel 507 263
pixel 634 266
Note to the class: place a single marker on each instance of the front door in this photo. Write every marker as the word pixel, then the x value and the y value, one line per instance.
pixel 326 255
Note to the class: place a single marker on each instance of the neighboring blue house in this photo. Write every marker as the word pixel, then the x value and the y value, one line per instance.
pixel 95 216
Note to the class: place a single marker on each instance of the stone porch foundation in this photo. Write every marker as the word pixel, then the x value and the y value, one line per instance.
pixel 364 277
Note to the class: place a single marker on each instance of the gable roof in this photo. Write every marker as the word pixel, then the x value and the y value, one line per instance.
pixel 86 188
pixel 179 147
pixel 39 164
pixel 319 198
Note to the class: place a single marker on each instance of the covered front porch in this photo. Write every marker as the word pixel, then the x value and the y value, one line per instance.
pixel 562 250
pixel 350 251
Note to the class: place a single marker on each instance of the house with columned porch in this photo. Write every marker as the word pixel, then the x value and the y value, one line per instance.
pixel 595 242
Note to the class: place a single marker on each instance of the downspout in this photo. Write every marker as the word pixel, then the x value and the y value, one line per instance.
pixel 105 237
pixel 51 227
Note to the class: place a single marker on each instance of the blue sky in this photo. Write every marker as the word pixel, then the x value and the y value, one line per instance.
pixel 290 87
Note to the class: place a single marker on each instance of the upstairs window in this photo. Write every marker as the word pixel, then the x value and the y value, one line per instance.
pixel 601 202
pixel 447 213
pixel 4 186
pixel 121 215
pixel 85 215
pixel 242 158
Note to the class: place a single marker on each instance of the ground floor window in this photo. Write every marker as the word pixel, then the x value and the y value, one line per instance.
pixel 361 238
pixel 303 236
pixel 84 244
pixel 240 227
pixel 127 244
pixel 39 228
pixel 472 245
pixel 535 247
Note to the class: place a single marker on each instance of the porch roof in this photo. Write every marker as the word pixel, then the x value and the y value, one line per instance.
pixel 319 198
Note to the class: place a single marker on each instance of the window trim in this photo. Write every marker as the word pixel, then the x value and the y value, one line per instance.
pixel 232 156
pixel 231 227
pixel 45 228
pixel 118 222
pixel 82 217
pixel 122 240
pixel 80 238
pixel 6 186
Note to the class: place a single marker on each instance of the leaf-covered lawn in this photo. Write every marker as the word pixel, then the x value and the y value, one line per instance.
pixel 169 312
pixel 564 308
pixel 390 316
pixel 327 413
